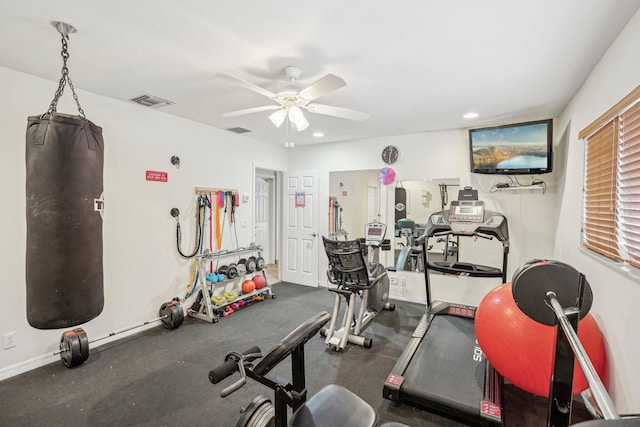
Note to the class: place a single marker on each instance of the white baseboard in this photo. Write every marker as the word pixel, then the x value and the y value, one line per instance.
pixel 40 361
pixel 27 365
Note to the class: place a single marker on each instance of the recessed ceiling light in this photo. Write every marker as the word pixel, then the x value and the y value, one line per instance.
pixel 470 115
pixel 318 134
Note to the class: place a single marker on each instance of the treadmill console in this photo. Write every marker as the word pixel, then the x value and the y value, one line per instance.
pixel 468 218
pixel 466 211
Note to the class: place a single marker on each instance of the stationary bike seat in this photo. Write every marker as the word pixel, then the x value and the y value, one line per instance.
pixel 333 406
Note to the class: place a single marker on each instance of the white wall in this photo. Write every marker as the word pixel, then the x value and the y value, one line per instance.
pixel 532 215
pixel 141 266
pixel 616 291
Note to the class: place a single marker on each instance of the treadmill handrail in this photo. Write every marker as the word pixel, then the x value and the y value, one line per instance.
pixel 451 232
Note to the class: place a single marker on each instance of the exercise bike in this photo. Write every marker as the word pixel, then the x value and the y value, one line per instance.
pixel 410 256
pixel 332 406
pixel 354 270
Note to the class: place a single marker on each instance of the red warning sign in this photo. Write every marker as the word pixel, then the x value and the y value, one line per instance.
pixel 157 176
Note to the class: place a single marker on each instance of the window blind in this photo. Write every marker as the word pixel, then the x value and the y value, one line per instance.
pixel 600 190
pixel 628 184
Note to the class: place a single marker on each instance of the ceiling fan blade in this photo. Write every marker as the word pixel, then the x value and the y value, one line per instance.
pixel 326 84
pixel 247 85
pixel 343 113
pixel 251 110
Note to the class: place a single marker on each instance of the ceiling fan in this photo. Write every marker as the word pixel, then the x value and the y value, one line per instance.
pixel 290 102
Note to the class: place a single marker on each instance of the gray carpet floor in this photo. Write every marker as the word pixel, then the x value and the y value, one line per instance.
pixel 160 377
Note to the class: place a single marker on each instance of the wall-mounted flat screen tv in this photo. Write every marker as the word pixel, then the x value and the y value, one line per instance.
pixel 515 149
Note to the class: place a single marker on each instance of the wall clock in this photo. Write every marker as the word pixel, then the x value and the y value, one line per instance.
pixel 390 154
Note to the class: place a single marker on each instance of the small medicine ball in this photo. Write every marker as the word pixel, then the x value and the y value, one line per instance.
pixel 248 286
pixel 259 280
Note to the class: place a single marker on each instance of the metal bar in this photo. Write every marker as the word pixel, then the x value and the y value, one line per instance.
pixel 207 190
pixel 229 253
pixel 560 391
pixel 128 329
pixel 595 384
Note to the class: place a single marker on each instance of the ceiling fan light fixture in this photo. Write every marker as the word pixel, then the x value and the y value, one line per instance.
pixel 277 118
pixel 297 118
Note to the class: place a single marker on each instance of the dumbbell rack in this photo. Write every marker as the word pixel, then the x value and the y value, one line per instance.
pixel 207 310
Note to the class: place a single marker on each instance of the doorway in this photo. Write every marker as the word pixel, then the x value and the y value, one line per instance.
pixel 266 227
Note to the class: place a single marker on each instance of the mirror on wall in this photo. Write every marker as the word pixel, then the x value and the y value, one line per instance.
pixel 354 200
pixel 415 201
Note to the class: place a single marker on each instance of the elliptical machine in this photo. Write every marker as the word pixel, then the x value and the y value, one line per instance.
pixel 355 270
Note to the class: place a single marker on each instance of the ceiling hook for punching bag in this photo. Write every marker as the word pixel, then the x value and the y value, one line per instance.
pixel 64 29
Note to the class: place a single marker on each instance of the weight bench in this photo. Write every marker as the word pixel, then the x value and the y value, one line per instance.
pixel 332 406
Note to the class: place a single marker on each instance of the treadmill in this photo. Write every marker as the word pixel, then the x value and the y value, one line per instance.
pixel 442 368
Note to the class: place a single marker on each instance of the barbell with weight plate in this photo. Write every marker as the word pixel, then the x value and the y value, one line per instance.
pixel 74 344
pixel 251 264
pixel 232 271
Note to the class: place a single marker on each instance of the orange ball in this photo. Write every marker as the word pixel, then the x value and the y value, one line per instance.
pixel 248 286
pixel 260 281
pixel 522 350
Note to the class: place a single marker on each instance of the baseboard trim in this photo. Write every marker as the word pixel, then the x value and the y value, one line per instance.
pixel 27 365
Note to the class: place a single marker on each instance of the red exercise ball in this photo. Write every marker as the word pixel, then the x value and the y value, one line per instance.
pixel 522 350
pixel 248 286
pixel 260 281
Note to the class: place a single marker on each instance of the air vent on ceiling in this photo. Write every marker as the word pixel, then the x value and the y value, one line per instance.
pixel 151 101
pixel 238 130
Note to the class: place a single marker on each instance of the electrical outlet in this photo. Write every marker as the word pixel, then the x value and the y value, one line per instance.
pixel 393 280
pixel 403 281
pixel 9 340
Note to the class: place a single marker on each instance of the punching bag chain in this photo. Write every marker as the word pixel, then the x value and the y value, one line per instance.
pixel 64 79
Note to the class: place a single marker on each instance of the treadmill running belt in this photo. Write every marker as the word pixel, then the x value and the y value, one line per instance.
pixel 445 373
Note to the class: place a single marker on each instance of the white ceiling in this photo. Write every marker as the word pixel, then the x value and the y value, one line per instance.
pixel 413 65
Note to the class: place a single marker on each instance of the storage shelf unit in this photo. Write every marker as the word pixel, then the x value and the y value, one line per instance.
pixel 206 310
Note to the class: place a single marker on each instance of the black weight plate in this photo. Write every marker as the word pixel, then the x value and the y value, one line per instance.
pixel 524 266
pixel 174 314
pixel 530 287
pixel 232 272
pixel 222 269
pixel 84 344
pixel 251 264
pixel 71 354
pixel 241 269
pixel 259 263
pixel 259 413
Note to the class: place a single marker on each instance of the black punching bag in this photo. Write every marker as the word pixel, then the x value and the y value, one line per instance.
pixel 64 184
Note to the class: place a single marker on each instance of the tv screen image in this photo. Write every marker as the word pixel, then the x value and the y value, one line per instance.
pixel 520 148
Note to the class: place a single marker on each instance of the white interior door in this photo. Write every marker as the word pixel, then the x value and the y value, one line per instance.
pixel 300 228
pixel 373 204
pixel 262 217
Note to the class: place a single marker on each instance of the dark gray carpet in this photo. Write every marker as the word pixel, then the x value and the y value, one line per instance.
pixel 160 377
